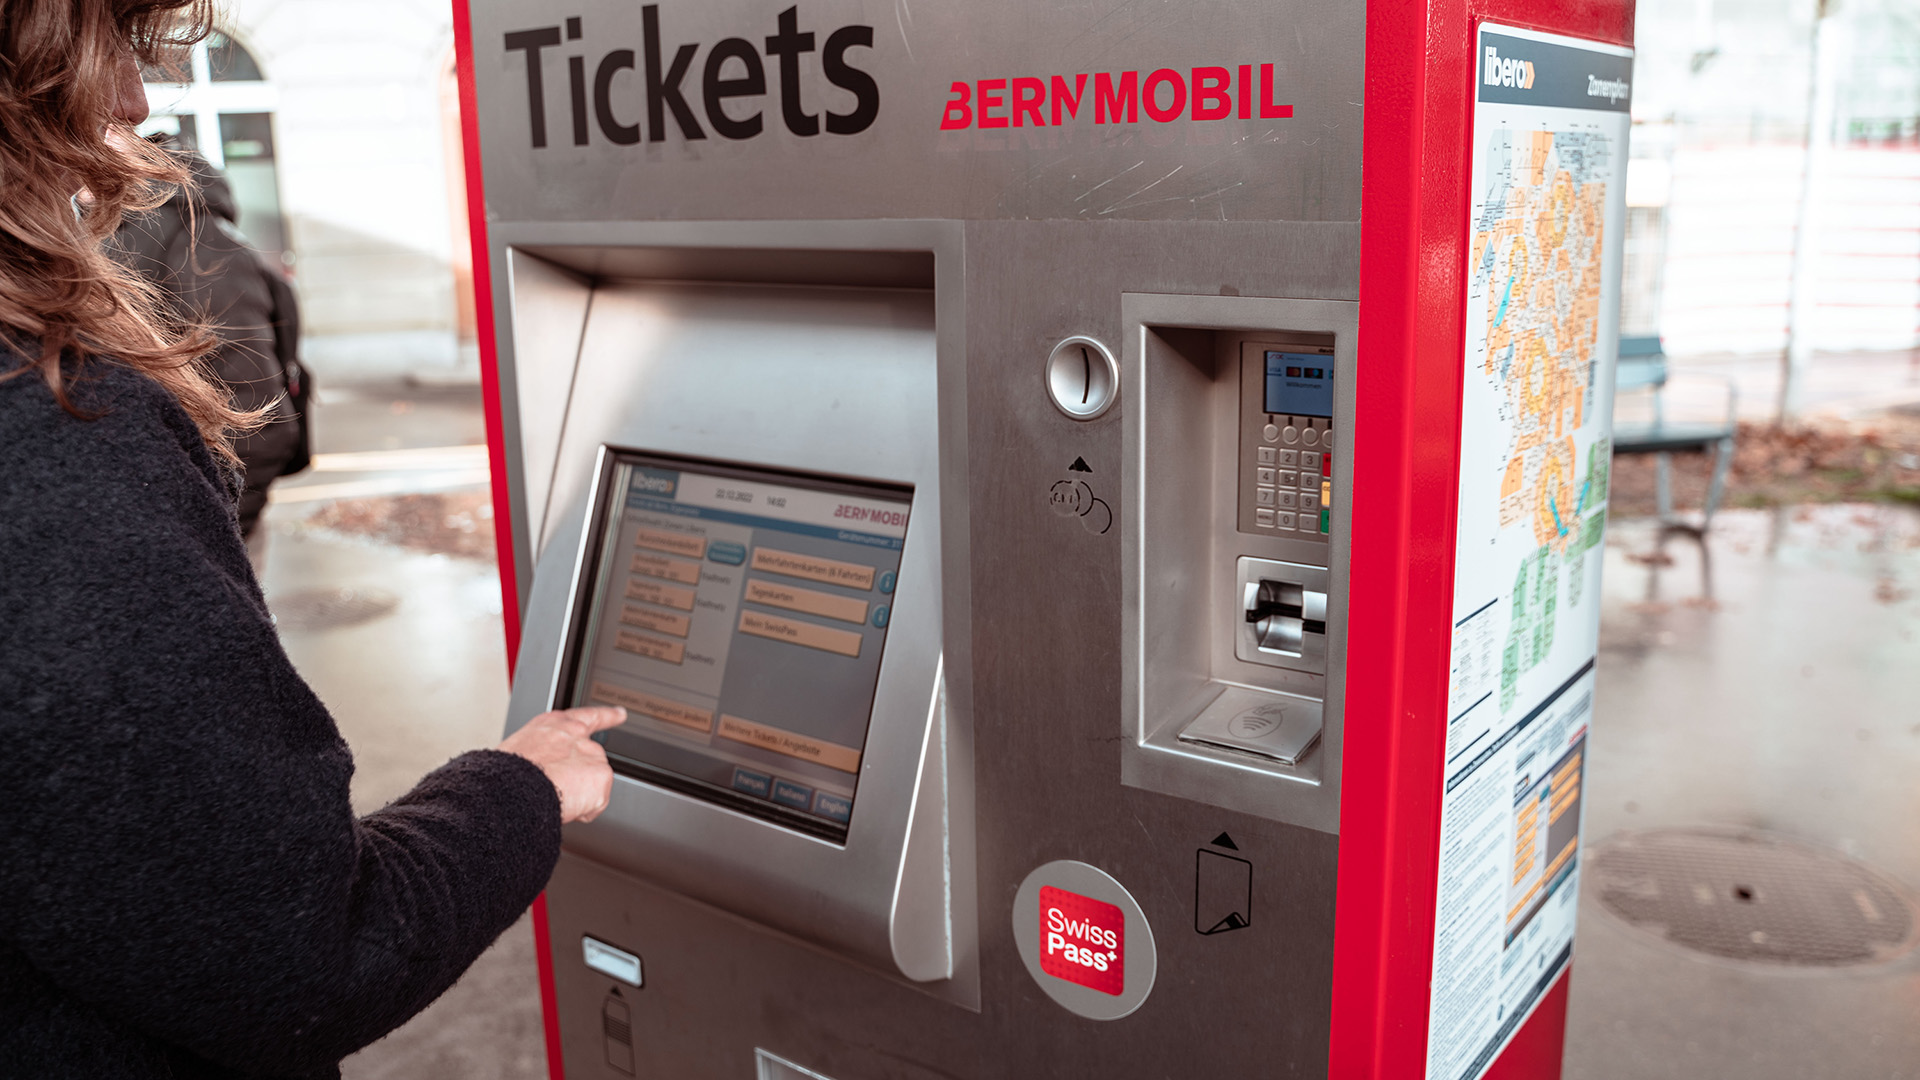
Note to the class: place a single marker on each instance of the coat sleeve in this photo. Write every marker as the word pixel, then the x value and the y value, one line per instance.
pixel 178 846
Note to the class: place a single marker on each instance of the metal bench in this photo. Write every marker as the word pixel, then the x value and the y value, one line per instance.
pixel 1643 366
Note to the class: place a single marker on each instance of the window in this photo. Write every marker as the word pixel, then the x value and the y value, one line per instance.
pixel 226 115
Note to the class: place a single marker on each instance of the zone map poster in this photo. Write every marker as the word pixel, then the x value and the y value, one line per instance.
pixel 1544 243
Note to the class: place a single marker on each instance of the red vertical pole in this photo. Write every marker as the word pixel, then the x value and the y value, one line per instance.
pixel 1389 799
pixel 1415 198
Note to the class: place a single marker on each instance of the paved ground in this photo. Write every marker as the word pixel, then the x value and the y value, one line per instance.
pixel 1785 702
pixel 1775 692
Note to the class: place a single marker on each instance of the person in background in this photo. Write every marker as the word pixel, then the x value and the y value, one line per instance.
pixel 185 892
pixel 192 249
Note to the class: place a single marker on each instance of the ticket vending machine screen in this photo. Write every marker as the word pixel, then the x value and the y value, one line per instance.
pixel 739 616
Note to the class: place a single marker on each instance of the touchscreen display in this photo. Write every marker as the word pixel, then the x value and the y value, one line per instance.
pixel 1299 384
pixel 739 616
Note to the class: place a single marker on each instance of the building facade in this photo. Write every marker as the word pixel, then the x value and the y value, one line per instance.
pixel 338 126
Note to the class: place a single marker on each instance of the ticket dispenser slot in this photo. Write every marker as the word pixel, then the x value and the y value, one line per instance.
pixel 1285 606
pixel 1235 538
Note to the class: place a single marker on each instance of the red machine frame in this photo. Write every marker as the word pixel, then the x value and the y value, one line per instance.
pixel 1419 75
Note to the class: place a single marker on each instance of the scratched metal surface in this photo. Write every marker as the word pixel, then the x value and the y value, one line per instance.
pixel 1039 674
pixel 1302 168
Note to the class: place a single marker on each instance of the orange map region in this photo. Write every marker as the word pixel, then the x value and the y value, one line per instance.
pixel 663 709
pixel 1526 841
pixel 1542 292
pixel 1565 788
pixel 1546 876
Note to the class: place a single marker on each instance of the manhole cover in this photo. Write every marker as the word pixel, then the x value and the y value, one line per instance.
pixel 331 609
pixel 1752 897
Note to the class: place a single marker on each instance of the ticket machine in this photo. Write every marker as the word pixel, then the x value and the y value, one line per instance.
pixel 1087 510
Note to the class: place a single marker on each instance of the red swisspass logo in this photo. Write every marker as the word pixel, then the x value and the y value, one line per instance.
pixel 1083 940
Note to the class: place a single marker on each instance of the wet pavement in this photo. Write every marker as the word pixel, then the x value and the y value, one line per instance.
pixel 1776 692
pixel 1773 689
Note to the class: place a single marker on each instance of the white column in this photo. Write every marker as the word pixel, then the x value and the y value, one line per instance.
pixel 1824 64
pixel 206 111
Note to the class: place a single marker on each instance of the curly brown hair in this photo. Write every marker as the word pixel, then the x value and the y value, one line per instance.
pixel 68 171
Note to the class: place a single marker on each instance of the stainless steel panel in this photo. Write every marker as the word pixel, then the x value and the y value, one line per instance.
pixel 775 1067
pixel 1183 610
pixel 1031 605
pixel 550 307
pixel 1032 608
pixel 838 381
pixel 835 381
pixel 1305 167
pixel 1048 671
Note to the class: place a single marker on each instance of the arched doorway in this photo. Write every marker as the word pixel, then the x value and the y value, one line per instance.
pixel 226 115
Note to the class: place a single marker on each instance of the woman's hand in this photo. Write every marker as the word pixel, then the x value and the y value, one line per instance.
pixel 560 743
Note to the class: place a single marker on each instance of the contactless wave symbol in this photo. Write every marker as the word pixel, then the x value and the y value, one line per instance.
pixel 1074 497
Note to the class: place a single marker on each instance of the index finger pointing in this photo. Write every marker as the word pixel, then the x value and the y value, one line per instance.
pixel 598 717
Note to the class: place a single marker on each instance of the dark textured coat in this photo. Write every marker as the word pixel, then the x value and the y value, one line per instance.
pixel 184 890
pixel 192 249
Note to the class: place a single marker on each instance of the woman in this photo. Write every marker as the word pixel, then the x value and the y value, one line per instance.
pixel 184 891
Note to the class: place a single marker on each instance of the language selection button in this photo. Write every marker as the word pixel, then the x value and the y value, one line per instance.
pixel 788 793
pixel 834 807
pixel 759 785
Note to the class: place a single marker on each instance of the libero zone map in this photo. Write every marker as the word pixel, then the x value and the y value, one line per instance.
pixel 1537 265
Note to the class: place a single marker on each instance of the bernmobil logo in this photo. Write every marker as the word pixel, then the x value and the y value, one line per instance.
pixel 871 514
pixel 730 84
pixel 1083 940
pixel 657 481
pixel 1506 71
pixel 1165 95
